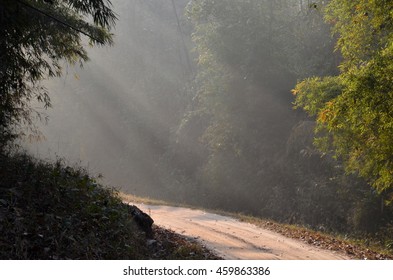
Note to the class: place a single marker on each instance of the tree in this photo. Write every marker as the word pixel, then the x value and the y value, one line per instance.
pixel 354 109
pixel 36 37
pixel 250 53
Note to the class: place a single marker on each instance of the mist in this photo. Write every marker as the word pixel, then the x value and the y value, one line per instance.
pixel 115 114
pixel 193 104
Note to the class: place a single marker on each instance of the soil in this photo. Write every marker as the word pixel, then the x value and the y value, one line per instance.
pixel 231 239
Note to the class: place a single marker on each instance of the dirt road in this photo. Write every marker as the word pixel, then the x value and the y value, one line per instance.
pixel 232 239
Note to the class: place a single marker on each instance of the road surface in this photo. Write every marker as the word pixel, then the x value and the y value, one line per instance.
pixel 232 239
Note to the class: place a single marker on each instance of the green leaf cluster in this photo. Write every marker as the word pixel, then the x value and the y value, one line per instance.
pixel 354 109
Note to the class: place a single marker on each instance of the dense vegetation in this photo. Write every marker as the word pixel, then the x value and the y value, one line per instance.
pixel 250 151
pixel 354 115
pixel 217 127
pixel 50 211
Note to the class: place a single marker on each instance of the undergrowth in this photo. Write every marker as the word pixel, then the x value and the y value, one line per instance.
pixel 51 211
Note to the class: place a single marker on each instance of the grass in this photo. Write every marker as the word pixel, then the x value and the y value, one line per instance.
pixel 52 211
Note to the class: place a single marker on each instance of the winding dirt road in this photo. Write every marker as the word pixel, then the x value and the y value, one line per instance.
pixel 232 239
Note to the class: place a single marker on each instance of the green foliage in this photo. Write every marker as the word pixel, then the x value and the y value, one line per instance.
pixel 248 53
pixel 253 153
pixel 320 91
pixel 354 108
pixel 36 37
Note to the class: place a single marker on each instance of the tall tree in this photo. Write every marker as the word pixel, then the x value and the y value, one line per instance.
pixel 354 109
pixel 250 53
pixel 36 36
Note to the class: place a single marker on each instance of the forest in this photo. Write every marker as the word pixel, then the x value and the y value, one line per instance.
pixel 277 109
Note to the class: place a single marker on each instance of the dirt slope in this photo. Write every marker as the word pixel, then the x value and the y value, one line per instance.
pixel 231 239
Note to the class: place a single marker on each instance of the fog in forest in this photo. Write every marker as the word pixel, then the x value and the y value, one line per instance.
pixel 193 104
pixel 115 114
